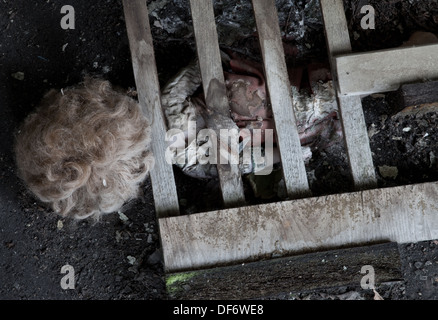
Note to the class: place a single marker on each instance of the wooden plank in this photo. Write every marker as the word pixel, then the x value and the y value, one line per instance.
pixel 385 70
pixel 335 26
pixel 414 95
pixel 350 108
pixel 357 142
pixel 414 99
pixel 399 214
pixel 416 111
pixel 283 276
pixel 148 88
pixel 216 97
pixel 280 95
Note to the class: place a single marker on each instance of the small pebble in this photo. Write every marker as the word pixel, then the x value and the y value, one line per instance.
pixel 122 216
pixel 186 287
pixel 18 75
pixel 388 172
pixel 131 259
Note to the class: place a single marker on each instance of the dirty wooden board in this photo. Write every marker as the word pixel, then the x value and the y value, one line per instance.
pixel 350 108
pixel 399 214
pixel 148 88
pixel 214 87
pixel 417 111
pixel 385 70
pixel 283 276
pixel 280 95
pixel 415 94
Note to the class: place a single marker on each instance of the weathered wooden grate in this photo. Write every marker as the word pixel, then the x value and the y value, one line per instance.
pixel 240 233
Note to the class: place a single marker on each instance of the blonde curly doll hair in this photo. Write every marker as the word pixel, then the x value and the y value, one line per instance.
pixel 85 150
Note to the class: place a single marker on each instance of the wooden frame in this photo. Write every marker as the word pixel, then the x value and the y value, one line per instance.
pixel 246 234
pixel 399 214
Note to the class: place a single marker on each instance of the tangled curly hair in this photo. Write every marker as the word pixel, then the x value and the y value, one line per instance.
pixel 85 150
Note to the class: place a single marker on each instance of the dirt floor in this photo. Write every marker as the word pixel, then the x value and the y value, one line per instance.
pixel 119 257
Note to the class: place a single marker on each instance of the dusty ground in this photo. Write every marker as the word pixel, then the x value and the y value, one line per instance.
pixel 119 258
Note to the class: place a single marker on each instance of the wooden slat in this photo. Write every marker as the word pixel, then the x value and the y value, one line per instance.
pixel 399 214
pixel 350 108
pixel 357 142
pixel 335 26
pixel 385 70
pixel 146 78
pixel 283 276
pixel 214 88
pixel 280 95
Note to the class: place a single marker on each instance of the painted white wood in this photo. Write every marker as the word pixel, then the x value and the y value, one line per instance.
pixel 385 70
pixel 280 95
pixel 399 214
pixel 214 88
pixel 357 142
pixel 148 88
pixel 350 108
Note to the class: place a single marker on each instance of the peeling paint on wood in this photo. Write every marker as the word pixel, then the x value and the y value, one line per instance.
pixel 400 214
